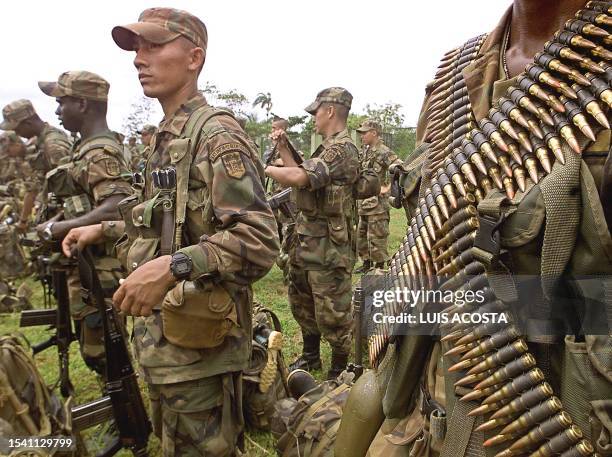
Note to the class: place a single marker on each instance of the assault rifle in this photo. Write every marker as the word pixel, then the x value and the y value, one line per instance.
pixel 123 401
pixel 56 267
pixel 282 201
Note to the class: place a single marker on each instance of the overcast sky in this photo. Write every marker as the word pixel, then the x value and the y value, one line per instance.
pixel 379 50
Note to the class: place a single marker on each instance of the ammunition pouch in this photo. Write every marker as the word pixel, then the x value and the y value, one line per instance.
pixel 60 181
pixel 367 184
pixel 76 206
pixel 198 314
pixel 338 230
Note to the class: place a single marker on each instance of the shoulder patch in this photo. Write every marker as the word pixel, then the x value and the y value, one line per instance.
pixel 225 148
pixel 112 167
pixel 330 154
pixel 234 166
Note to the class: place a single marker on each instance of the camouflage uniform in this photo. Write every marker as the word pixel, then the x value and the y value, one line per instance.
pixel 324 254
pixel 96 172
pixel 374 212
pixel 566 362
pixel 52 144
pixel 230 236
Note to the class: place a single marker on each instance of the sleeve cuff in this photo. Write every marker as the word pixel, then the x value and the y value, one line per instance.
pixel 204 261
pixel 112 230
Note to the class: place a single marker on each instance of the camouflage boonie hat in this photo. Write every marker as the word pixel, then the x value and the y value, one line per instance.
pixel 147 128
pixel 369 124
pixel 331 95
pixel 162 25
pixel 15 112
pixel 79 84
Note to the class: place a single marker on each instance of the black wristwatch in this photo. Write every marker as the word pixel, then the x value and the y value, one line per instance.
pixel 181 266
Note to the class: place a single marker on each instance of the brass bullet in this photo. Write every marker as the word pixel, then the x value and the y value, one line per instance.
pixel 472 378
pixel 498 439
pixel 574 112
pixel 464 364
pixel 485 183
pixel 549 61
pixel 504 163
pixel 516 386
pixel 546 429
pixel 582 27
pixel 525 400
pixel 477 333
pixel 509 187
pixel 559 443
pixel 542 154
pixel 451 336
pixel 515 153
pixel 507 107
pixel 590 105
pixel 601 6
pixel 478 393
pixel 594 17
pixel 496 340
pixel 510 370
pixel 521 99
pixel 491 131
pixel 573 39
pixel 484 409
pixel 447 188
pixel 503 123
pixel 537 73
pixel 531 87
pixel 534 416
pixel 492 424
pixel 523 139
pixel 582 449
pixel 503 355
pixel 554 143
pixel 494 174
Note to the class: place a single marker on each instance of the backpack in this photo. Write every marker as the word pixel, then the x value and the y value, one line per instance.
pixel 264 379
pixel 27 406
pixel 307 427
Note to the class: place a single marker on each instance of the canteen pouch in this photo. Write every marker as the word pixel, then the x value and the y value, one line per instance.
pixel 198 314
pixel 60 182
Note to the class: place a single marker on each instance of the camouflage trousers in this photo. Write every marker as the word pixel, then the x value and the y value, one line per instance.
pixel 372 235
pixel 321 304
pixel 198 418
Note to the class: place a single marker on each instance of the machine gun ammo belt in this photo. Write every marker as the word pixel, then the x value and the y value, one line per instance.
pixel 559 103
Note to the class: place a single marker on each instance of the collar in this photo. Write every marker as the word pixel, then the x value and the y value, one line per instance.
pixel 175 123
pixel 335 138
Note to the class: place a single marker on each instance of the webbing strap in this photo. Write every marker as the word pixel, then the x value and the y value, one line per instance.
pixel 561 195
pixel 459 430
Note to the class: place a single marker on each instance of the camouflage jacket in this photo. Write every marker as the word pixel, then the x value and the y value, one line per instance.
pixel 326 206
pixel 229 233
pixel 52 148
pixel 378 158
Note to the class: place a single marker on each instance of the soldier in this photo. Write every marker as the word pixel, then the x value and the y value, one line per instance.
pixel 194 274
pixel 90 186
pixel 548 233
pixel 52 145
pixel 322 260
pixel 286 224
pixel 373 229
pixel 138 159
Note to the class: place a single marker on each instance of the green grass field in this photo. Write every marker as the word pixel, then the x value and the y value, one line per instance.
pixel 269 291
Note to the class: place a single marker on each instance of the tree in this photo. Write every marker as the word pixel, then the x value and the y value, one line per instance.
pixel 140 114
pixel 399 138
pixel 264 101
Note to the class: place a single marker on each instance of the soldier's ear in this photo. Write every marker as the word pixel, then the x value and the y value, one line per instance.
pixel 197 58
pixel 83 105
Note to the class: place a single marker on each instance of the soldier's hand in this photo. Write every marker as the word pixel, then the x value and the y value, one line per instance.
pixel 279 138
pixel 79 237
pixel 145 287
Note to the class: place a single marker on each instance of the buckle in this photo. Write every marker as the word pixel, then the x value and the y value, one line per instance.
pixel 487 243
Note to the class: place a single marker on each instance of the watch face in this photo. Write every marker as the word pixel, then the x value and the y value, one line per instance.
pixel 182 268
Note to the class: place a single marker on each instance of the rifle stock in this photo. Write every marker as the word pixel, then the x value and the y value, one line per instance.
pixel 282 201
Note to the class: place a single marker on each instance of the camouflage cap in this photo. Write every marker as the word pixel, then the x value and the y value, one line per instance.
pixel 369 124
pixel 162 25
pixel 15 112
pixel 79 84
pixel 331 95
pixel 147 128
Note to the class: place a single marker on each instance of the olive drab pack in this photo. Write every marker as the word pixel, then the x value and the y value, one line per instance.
pixel 27 405
pixel 307 427
pixel 265 378
pixel 367 184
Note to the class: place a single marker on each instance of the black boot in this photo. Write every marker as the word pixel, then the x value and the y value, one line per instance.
pixel 338 364
pixel 367 266
pixel 311 357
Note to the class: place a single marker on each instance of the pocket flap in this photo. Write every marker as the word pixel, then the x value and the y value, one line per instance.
pixel 523 225
pixel 314 228
pixel 178 148
pixel 408 429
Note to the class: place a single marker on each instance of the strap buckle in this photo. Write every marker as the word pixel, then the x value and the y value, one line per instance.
pixel 487 244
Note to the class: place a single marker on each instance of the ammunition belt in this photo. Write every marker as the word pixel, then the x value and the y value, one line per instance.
pixel 565 93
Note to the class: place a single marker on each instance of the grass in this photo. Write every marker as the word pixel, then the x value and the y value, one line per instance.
pixel 269 291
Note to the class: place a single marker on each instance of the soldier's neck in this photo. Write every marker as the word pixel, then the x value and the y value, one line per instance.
pixel 533 23
pixel 93 127
pixel 172 102
pixel 38 126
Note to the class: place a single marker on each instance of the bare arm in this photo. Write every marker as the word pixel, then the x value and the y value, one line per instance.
pixel 292 176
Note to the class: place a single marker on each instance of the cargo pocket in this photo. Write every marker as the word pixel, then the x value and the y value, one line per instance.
pixel 584 384
pixel 198 315
pixel 191 418
pixel 412 434
pixel 145 246
pixel 601 426
pixel 337 229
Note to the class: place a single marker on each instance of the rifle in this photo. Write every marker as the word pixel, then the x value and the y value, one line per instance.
pixel 123 400
pixel 58 318
pixel 282 201
pixel 358 305
pixel 397 191
pixel 272 153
